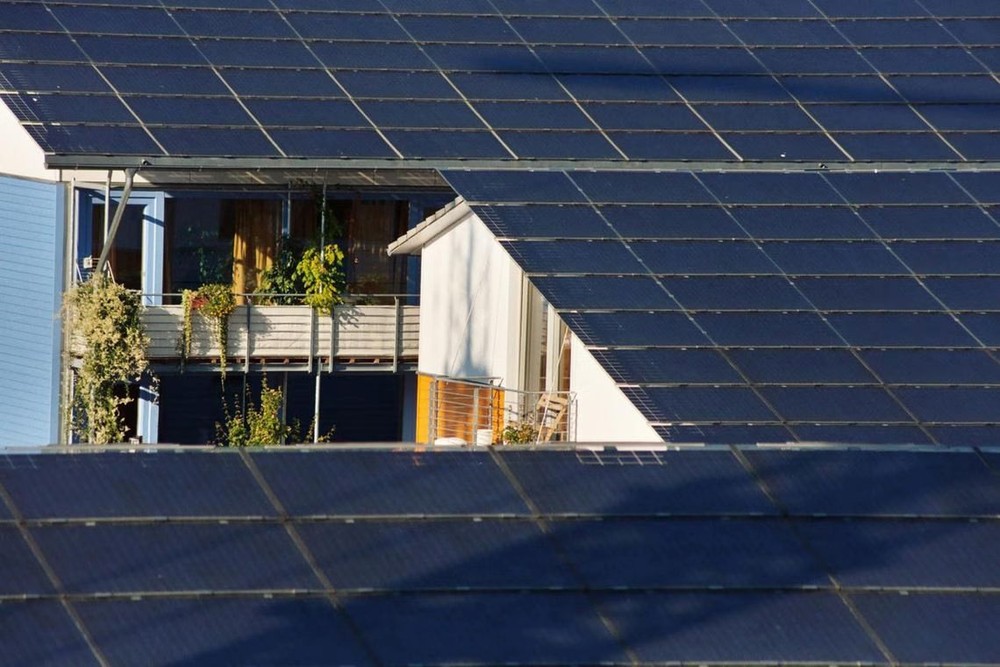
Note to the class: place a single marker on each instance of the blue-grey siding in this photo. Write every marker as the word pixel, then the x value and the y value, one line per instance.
pixel 31 247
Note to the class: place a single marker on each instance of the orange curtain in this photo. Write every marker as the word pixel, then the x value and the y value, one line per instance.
pixel 254 242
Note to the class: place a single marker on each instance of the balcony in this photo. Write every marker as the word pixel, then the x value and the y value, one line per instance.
pixel 293 338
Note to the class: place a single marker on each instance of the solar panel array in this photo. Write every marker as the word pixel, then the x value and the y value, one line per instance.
pixel 505 557
pixel 757 307
pixel 798 80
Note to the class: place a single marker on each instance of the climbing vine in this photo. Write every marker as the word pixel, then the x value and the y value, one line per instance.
pixel 103 320
pixel 217 302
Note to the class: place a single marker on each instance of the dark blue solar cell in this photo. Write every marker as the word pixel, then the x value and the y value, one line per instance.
pixel 623 88
pixel 603 60
pixel 250 53
pixel 486 58
pixel 677 8
pixel 32 77
pixel 215 141
pixel 837 404
pixel 963 626
pixel 371 56
pixel 514 186
pixel 968 436
pixel 974 32
pixel 707 482
pixel 331 143
pixel 934 366
pixel 548 8
pixel 116 20
pixel 800 222
pixel 165 80
pixel 747 329
pixel 950 257
pixel 953 404
pixel 984 326
pixel 785 117
pixel 666 365
pixel 174 557
pixel 126 50
pixel 706 404
pixel 879 483
pixel 900 329
pixel 866 294
pixel 979 293
pixel 631 116
pixel 389 483
pixel 32 17
pixel 480 29
pixel 470 628
pixel 703 257
pixel 768 32
pixel 769 188
pixel 574 145
pixel 875 146
pixel 871 435
pixel 671 146
pixel 282 83
pixel 762 8
pixel 861 8
pixel 573 256
pixel 234 23
pixel 833 258
pixel 962 116
pixel 603 292
pixel 975 145
pixel 544 221
pixel 896 32
pixel 805 60
pixel 39 47
pixel 419 113
pixel 724 553
pixel 165 484
pixel 634 328
pixel 394 85
pixel 23 575
pixel 917 60
pixel 721 60
pixel 667 222
pixel 263 631
pixel 561 31
pixel 864 117
pixel 68 108
pixel 41 632
pixel 723 433
pixel 495 86
pixel 945 89
pixel 435 555
pixel 931 222
pixel 686 32
pixel 440 6
pixel 983 186
pixel 640 187
pixel 783 146
pixel 740 627
pixel 898 188
pixel 800 366
pixel 306 113
pixel 839 89
pixel 729 88
pixel 924 554
pixel 93 139
pixel 530 115
pixel 361 27
pixel 190 111
pixel 445 143
pixel 735 293
pixel 970 8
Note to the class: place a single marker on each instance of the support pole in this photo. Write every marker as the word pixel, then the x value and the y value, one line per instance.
pixel 109 238
pixel 316 408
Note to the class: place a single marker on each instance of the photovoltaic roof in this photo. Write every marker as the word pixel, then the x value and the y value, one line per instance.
pixel 702 555
pixel 704 80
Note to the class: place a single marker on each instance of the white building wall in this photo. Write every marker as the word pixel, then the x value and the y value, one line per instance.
pixel 19 154
pixel 603 412
pixel 470 297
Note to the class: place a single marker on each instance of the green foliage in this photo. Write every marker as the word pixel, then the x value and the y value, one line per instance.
pixel 282 277
pixel 519 433
pixel 188 297
pixel 104 317
pixel 263 425
pixel 322 273
pixel 217 302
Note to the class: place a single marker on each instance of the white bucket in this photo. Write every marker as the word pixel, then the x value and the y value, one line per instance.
pixel 484 437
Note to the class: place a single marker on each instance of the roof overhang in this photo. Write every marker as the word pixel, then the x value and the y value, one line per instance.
pixel 413 242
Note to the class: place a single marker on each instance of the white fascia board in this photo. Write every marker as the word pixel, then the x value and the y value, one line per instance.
pixel 413 242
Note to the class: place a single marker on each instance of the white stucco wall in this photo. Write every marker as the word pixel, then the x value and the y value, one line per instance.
pixel 19 154
pixel 469 298
pixel 603 412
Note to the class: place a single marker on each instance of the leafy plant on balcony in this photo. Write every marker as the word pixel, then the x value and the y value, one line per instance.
pixel 217 302
pixel 262 425
pixel 282 277
pixel 519 433
pixel 103 317
pixel 322 273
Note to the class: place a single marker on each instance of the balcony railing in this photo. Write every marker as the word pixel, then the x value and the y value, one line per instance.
pixel 385 334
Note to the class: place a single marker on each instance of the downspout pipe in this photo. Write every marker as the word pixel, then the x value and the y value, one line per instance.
pixel 119 214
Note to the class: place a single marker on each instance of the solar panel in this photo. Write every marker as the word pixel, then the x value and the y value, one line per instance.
pixel 40 632
pixel 23 574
